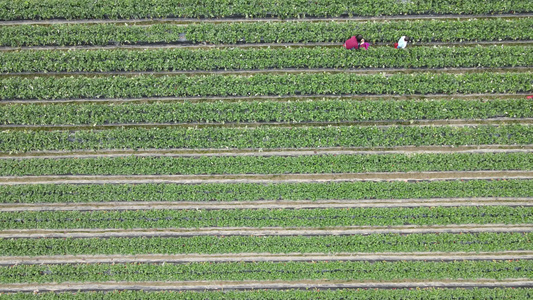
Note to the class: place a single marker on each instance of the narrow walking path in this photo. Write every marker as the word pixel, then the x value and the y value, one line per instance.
pixel 250 285
pixel 257 257
pixel 264 178
pixel 266 204
pixel 248 231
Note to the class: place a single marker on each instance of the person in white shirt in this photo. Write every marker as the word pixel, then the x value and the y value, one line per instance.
pixel 402 43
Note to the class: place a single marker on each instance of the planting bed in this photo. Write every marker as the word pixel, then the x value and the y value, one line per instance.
pixel 154 150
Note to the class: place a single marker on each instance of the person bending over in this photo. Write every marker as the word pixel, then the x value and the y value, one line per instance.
pixel 356 42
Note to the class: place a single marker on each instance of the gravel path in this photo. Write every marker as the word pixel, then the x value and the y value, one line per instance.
pixel 256 257
pixel 250 285
pixel 248 231
pixel 273 204
pixel 265 178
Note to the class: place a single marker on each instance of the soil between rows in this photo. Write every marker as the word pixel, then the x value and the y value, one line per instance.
pixel 251 285
pixel 379 124
pixel 270 152
pixel 277 98
pixel 184 44
pixel 384 71
pixel 271 231
pixel 270 178
pixel 257 257
pixel 252 20
pixel 267 204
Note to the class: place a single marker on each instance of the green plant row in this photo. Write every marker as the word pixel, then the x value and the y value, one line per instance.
pixel 331 110
pixel 261 218
pixel 443 242
pixel 304 164
pixel 74 193
pixel 340 270
pixel 355 294
pixel 264 137
pixel 91 87
pixel 86 9
pixel 262 58
pixel 267 32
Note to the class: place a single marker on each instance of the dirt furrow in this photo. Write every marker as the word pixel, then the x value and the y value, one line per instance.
pixel 256 257
pixel 253 20
pixel 248 231
pixel 270 204
pixel 276 98
pixel 380 124
pixel 384 71
pixel 251 285
pixel 264 178
pixel 255 45
pixel 270 152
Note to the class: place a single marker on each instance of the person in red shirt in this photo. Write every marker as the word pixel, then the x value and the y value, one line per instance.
pixel 356 42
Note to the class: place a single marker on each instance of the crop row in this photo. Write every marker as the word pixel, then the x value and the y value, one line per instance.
pixel 431 242
pixel 264 137
pixel 266 32
pixel 71 193
pixel 262 218
pixel 86 9
pixel 91 87
pixel 324 294
pixel 304 164
pixel 331 110
pixel 261 58
pixel 334 270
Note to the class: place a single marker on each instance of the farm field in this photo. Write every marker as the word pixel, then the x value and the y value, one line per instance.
pixel 158 149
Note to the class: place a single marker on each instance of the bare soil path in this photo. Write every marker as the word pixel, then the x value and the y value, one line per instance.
pixel 276 98
pixel 248 231
pixel 419 123
pixel 268 204
pixel 185 44
pixel 270 152
pixel 384 71
pixel 145 21
pixel 257 257
pixel 265 178
pixel 250 285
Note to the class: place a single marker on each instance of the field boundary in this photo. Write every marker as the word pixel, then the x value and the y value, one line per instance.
pixel 260 257
pixel 268 204
pixel 248 231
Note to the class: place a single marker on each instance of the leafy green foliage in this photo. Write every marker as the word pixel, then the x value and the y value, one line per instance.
pixel 343 270
pixel 264 137
pixel 266 217
pixel 304 164
pixel 267 32
pixel 60 193
pixel 88 87
pixel 87 9
pixel 431 242
pixel 262 58
pixel 300 111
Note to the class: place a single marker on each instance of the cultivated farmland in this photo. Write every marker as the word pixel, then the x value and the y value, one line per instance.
pixel 224 149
